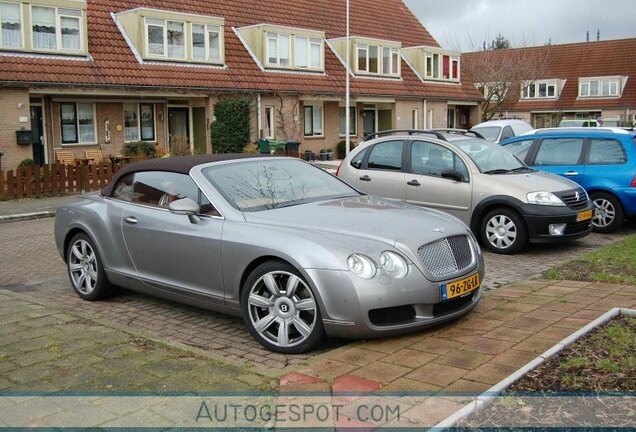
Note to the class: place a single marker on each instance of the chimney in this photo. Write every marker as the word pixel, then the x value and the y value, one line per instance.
pixel 598 35
pixel 587 37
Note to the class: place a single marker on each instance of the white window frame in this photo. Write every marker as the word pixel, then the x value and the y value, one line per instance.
pixel 77 131
pixel 394 59
pixel 277 37
pixel 437 74
pixel 525 90
pixel 22 29
pixel 310 41
pixel 415 118
pixel 353 117
pixel 165 56
pixel 314 105
pixel 270 119
pixel 207 29
pixel 58 29
pixel 600 81
pixel 154 121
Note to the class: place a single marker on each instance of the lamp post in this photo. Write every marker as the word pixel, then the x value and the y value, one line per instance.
pixel 347 90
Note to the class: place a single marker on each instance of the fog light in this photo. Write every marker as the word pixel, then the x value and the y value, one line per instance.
pixel 557 229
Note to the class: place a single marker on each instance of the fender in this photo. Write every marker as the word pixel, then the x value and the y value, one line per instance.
pixel 494 201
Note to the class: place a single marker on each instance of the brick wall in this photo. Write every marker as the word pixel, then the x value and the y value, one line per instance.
pixel 14 106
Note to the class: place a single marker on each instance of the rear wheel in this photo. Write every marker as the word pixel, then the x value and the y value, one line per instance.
pixel 608 214
pixel 85 269
pixel 503 231
pixel 280 309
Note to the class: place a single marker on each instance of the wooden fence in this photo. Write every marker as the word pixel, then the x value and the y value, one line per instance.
pixel 55 180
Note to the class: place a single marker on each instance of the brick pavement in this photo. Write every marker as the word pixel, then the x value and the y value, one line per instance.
pixel 29 263
pixel 43 348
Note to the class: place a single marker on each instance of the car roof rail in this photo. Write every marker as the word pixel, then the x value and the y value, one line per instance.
pixel 379 134
pixel 599 129
pixel 460 132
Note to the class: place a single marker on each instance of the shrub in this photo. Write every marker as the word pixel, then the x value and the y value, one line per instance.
pixel 26 163
pixel 139 150
pixel 179 147
pixel 251 149
pixel 231 129
pixel 341 148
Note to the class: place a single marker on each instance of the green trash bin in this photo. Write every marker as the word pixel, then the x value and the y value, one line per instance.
pixel 263 146
pixel 276 145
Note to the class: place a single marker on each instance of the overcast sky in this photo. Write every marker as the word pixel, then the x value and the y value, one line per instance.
pixel 455 23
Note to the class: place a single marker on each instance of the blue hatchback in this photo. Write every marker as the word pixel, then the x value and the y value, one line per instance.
pixel 602 160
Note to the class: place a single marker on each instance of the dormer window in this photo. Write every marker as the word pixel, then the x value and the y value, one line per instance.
pixel 376 59
pixel 161 35
pixel 278 49
pixel 434 63
pixel 11 23
pixel 283 48
pixel 600 87
pixel 545 89
pixel 56 29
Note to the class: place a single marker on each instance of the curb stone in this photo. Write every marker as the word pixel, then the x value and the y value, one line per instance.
pixel 26 216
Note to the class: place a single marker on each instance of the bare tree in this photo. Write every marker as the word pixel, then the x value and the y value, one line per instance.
pixel 288 116
pixel 502 74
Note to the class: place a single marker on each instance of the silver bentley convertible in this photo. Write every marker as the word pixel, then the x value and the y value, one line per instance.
pixel 295 251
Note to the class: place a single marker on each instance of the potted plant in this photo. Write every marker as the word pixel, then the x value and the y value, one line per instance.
pixel 329 154
pixel 323 154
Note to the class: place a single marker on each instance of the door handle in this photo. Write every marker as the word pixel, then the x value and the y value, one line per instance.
pixel 414 183
pixel 571 173
pixel 131 220
pixel 365 178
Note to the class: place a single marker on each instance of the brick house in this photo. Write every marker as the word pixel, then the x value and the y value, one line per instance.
pixel 592 80
pixel 95 74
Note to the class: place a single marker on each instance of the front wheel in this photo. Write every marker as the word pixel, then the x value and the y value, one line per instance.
pixel 85 269
pixel 280 309
pixel 608 214
pixel 503 231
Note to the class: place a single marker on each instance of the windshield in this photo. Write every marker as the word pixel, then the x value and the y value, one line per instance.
pixel 491 158
pixel 274 183
pixel 491 133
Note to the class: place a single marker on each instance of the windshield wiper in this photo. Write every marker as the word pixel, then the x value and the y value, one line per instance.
pixel 523 169
pixel 497 171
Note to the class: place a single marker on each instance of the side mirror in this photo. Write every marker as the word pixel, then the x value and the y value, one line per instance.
pixel 453 175
pixel 186 207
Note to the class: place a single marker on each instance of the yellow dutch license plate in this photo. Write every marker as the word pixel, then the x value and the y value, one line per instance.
pixel 583 216
pixel 460 287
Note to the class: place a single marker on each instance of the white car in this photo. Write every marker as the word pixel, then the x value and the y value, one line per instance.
pixel 500 130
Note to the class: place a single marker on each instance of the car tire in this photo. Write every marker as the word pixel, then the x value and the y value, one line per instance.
pixel 281 321
pixel 608 213
pixel 503 231
pixel 86 270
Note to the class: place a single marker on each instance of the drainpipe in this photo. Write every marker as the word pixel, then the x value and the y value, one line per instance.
pixel 259 120
pixel 426 126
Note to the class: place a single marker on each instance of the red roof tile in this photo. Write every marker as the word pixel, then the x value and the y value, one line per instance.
pixel 114 64
pixel 579 60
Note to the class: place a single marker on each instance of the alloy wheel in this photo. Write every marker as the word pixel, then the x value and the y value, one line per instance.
pixel 604 213
pixel 282 308
pixel 501 231
pixel 82 264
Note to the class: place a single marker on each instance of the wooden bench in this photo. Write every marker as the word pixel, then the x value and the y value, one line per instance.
pixel 65 157
pixel 95 156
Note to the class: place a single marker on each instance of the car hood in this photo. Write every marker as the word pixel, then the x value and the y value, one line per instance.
pixel 530 182
pixel 391 222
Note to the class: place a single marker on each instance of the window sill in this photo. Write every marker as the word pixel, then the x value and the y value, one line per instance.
pixel 311 137
pixel 350 136
pixel 79 144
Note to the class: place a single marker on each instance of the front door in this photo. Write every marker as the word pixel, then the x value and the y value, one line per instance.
pixel 37 131
pixel 179 128
pixel 562 156
pixel 199 131
pixel 369 122
pixel 451 118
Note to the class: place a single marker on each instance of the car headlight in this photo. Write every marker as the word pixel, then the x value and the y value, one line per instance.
pixel 544 198
pixel 362 266
pixel 393 265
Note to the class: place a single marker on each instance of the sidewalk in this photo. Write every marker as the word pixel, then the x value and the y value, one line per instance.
pixel 31 208
pixel 44 349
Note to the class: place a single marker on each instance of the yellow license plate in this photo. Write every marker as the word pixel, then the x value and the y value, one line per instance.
pixel 586 215
pixel 460 287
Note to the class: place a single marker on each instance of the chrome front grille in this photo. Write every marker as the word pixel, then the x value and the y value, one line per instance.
pixel 446 256
pixel 575 199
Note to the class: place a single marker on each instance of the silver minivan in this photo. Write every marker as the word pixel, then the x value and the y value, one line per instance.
pixel 506 203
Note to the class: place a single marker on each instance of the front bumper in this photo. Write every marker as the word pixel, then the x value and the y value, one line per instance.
pixel 539 218
pixel 353 307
